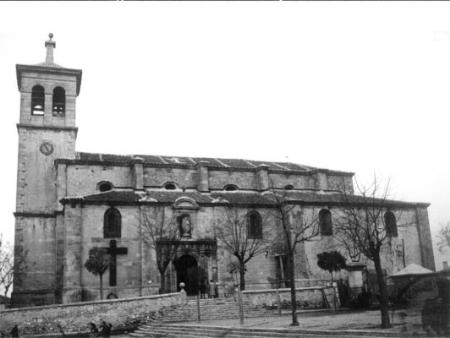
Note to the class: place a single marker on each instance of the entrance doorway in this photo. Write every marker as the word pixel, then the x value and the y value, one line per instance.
pixel 187 272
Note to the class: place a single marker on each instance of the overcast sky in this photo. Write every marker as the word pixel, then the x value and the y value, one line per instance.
pixel 361 87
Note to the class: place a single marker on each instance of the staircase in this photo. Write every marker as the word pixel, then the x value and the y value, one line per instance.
pixel 213 308
pixel 187 331
pixel 174 330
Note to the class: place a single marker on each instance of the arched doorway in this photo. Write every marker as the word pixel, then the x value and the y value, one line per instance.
pixel 187 272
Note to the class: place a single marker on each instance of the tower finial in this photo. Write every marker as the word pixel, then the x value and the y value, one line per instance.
pixel 50 44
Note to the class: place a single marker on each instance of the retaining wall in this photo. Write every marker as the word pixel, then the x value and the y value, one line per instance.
pixel 75 317
pixel 307 297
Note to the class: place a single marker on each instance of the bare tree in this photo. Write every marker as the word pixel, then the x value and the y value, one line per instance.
pixel 234 232
pixel 299 224
pixel 10 266
pixel 361 228
pixel 444 237
pixel 161 232
pixel 6 268
pixel 97 264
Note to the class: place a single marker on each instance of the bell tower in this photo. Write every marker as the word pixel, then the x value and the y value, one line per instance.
pixel 47 131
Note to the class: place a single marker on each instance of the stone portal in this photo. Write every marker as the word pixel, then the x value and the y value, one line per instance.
pixel 188 273
pixel 193 262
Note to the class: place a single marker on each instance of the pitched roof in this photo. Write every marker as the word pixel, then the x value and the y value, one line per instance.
pixel 412 270
pixel 235 198
pixel 113 196
pixel 191 162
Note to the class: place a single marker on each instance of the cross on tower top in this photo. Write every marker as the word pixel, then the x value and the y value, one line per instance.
pixel 50 44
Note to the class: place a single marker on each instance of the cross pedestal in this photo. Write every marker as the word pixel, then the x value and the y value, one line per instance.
pixel 355 277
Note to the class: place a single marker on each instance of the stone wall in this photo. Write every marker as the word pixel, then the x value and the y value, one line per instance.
pixel 79 284
pixel 280 180
pixel 35 238
pixel 426 246
pixel 183 178
pixel 244 180
pixel 307 297
pixel 82 180
pixel 36 177
pixel 75 317
pixel 340 183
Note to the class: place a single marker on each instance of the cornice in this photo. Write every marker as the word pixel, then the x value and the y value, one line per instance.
pixel 48 70
pixel 55 128
pixel 35 214
pixel 390 204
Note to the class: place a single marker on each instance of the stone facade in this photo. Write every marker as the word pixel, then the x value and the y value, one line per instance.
pixel 63 197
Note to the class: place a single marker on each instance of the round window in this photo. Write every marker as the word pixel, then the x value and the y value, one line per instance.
pixel 105 186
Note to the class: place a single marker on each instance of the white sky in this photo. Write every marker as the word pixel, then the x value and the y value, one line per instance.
pixel 360 87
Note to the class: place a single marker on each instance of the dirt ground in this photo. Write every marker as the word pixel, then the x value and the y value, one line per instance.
pixel 404 322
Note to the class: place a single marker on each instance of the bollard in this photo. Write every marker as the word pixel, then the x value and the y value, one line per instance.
pixel 279 302
pixel 198 306
pixel 334 296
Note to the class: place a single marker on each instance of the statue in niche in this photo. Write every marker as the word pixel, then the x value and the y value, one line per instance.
pixel 185 226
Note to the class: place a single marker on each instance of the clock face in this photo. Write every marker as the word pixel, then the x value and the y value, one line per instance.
pixel 46 148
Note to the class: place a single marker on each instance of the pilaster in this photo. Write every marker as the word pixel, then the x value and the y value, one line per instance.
pixel 73 260
pixel 322 180
pixel 262 175
pixel 203 177
pixel 423 230
pixel 138 173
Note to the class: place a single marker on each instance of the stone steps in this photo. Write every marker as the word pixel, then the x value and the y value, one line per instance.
pixel 195 331
pixel 209 309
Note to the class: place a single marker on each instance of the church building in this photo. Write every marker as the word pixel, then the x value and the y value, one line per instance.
pixel 69 202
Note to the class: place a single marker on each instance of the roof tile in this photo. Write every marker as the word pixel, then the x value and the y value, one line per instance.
pixel 244 198
pixel 192 161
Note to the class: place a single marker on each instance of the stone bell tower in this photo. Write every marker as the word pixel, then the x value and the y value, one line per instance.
pixel 47 131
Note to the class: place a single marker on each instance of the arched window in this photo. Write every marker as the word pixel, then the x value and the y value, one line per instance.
pixel 59 101
pixel 37 100
pixel 112 223
pixel 170 186
pixel 230 187
pixel 254 225
pixel 289 187
pixel 104 186
pixel 325 224
pixel 390 224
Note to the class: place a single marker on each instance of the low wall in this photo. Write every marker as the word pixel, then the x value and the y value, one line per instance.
pixel 75 317
pixel 307 297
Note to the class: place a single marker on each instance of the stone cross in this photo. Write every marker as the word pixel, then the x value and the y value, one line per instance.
pixel 49 44
pixel 113 251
